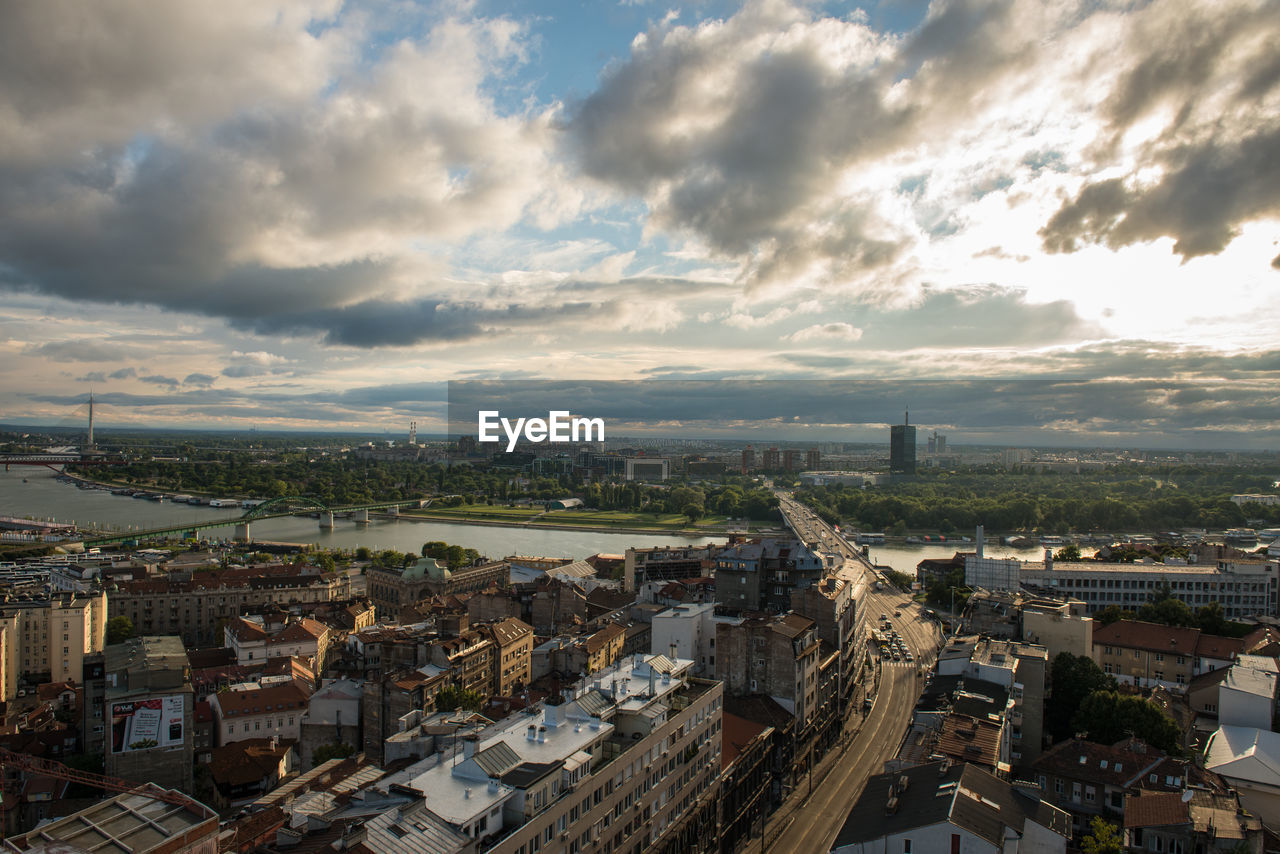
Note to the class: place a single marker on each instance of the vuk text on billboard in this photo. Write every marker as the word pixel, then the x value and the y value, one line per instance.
pixel 147 724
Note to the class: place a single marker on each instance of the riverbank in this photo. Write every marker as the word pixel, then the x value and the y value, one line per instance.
pixel 555 525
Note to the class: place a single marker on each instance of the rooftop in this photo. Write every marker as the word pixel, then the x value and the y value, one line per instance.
pixel 1246 680
pixel 965 795
pixel 1154 637
pixel 132 823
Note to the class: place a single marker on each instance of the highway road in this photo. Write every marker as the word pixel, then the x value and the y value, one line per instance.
pixel 808 823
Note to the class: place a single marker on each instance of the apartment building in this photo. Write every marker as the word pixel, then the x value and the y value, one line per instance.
pixel 259 712
pixel 665 563
pixel 149 711
pixel 470 657
pixel 513 655
pixel 45 638
pixel 617 764
pixel 1018 668
pixel 774 656
pixel 1147 654
pixel 253 640
pixel 197 608
pixel 759 575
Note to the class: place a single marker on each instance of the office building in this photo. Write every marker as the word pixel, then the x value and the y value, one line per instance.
pixel 902 448
pixel 649 469
pixel 1245 587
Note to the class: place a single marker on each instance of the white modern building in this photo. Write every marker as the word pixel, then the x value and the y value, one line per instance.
pixel 1245 587
pixel 1247 698
pixel 621 762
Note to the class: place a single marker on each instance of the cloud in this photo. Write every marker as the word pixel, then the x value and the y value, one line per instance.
pixel 1206 192
pixel 83 350
pixel 200 380
pixel 123 374
pixel 157 379
pixel 826 333
pixel 92 377
pixel 253 162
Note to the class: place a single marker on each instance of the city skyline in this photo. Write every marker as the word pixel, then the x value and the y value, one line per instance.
pixel 310 215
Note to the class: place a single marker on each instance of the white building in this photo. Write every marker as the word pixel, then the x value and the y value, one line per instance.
pixel 1247 698
pixel 690 631
pixel 1249 760
pixel 620 762
pixel 1244 587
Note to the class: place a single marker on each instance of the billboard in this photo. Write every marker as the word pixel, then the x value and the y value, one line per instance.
pixel 147 724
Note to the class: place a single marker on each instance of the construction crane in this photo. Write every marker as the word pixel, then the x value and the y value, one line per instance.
pixel 51 768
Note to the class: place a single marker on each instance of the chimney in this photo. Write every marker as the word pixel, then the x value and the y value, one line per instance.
pixel 533 733
pixel 542 735
pixel 468 746
pixel 1048 558
pixel 353 834
pixel 553 713
pixel 979 539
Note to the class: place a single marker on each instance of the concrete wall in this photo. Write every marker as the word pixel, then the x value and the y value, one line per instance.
pixel 1058 633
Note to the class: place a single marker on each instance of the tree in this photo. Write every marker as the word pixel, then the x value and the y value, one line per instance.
pixel 1103 838
pixel 1170 612
pixel 1112 614
pixel 1069 552
pixel 692 512
pixel 325 752
pixel 119 629
pixel 1108 717
pixel 1074 677
pixel 453 697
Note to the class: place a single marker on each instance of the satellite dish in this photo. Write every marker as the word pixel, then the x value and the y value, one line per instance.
pixel 1186 796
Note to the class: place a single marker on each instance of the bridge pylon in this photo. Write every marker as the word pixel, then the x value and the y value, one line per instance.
pixel 242 533
pixel 326 520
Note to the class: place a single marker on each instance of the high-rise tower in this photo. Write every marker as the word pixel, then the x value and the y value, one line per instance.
pixel 902 447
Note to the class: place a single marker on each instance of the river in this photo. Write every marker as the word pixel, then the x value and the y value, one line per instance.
pixel 35 492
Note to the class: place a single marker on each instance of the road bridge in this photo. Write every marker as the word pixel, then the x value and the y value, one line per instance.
pixel 273 509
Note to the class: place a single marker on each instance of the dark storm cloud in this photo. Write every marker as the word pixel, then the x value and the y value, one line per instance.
pixel 1083 406
pixel 386 323
pixel 1207 191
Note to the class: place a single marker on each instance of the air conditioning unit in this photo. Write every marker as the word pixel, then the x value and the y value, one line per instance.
pixel 564 835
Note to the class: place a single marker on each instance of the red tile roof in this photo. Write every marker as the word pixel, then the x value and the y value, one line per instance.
pixel 1223 649
pixel 1157 809
pixel 1154 637
pixel 735 734
pixel 261 700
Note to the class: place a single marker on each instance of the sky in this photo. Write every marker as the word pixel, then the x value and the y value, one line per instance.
pixel 311 214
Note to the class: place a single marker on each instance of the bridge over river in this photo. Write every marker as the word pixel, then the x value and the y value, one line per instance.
pixel 275 508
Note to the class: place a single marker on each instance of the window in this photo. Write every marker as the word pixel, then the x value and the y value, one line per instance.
pixel 906 846
pixel 955 843
pixel 1058 787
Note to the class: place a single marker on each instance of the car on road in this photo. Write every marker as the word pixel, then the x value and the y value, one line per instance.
pixel 910 657
pixel 897 613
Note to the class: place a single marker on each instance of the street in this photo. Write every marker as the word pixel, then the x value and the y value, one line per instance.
pixel 810 823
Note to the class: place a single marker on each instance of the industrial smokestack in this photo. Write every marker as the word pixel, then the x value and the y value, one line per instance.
pixel 979 538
